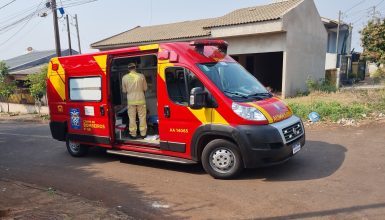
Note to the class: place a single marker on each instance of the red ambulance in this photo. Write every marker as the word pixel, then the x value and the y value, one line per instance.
pixel 202 107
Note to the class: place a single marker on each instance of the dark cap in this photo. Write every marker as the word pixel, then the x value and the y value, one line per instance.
pixel 131 65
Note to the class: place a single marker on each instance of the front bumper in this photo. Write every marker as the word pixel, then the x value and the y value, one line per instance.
pixel 269 144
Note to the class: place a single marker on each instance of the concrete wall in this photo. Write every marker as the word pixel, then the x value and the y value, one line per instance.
pixel 371 68
pixel 305 48
pixel 262 43
pixel 331 61
pixel 20 108
pixel 332 38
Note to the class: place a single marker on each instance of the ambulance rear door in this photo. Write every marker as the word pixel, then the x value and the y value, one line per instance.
pixel 87 101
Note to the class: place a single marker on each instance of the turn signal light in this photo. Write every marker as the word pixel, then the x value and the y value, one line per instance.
pixel 55 67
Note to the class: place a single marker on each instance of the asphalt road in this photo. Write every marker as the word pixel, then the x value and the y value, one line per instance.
pixel 340 174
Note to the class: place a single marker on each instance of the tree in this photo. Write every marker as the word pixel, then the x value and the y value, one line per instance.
pixel 3 68
pixel 37 85
pixel 373 41
pixel 7 88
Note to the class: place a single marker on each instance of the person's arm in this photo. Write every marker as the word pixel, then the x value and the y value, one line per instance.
pixel 124 89
pixel 144 83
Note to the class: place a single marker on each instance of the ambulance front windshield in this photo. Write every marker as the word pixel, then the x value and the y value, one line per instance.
pixel 234 81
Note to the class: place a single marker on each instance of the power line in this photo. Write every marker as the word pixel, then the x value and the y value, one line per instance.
pixel 21 28
pixel 19 13
pixel 73 3
pixel 7 4
pixel 382 1
pixel 14 24
pixel 28 31
pixel 354 6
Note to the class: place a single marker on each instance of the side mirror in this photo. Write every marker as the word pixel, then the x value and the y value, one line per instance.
pixel 197 98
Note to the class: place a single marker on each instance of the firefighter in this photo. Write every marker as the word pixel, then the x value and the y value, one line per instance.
pixel 134 84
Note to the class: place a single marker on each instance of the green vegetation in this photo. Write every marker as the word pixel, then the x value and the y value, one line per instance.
pixel 37 85
pixel 379 75
pixel 320 85
pixel 3 68
pixel 340 105
pixel 331 111
pixel 7 86
pixel 373 41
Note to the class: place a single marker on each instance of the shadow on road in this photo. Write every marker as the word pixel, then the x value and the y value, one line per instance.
pixel 325 213
pixel 100 155
pixel 40 160
pixel 316 160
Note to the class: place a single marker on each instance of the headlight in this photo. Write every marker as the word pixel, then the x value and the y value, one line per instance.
pixel 249 113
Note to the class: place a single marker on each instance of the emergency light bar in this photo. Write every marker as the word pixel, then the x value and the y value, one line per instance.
pixel 200 45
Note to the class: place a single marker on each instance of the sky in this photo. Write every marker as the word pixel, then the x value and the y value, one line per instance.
pixel 99 19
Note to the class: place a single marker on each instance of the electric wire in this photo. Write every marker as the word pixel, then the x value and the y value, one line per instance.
pixel 7 4
pixel 354 6
pixel 7 18
pixel 21 28
pixel 13 24
pixel 27 32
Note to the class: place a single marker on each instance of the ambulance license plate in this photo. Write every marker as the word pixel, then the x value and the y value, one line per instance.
pixel 296 147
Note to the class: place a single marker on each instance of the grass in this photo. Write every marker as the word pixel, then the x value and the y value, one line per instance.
pixel 340 105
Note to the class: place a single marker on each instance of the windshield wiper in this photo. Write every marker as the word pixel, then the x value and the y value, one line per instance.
pixel 236 94
pixel 261 95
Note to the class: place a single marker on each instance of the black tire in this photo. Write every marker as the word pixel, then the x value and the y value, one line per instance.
pixel 76 149
pixel 222 159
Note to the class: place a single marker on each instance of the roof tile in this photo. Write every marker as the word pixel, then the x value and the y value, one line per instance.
pixel 198 28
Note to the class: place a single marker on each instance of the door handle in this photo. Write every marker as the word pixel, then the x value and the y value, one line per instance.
pixel 102 111
pixel 166 111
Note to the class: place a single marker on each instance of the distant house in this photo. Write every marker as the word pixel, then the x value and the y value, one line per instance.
pixel 282 43
pixel 344 42
pixel 29 63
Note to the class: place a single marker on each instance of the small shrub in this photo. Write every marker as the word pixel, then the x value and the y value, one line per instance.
pixel 379 75
pixel 330 110
pixel 301 93
pixel 320 85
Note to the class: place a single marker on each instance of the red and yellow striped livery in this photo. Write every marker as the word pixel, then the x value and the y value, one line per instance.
pixel 202 107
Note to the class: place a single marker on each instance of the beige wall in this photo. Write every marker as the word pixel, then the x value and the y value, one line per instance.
pixel 263 43
pixel 305 48
pixel 20 108
pixel 331 61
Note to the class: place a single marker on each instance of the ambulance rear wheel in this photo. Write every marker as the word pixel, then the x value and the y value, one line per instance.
pixel 76 149
pixel 222 159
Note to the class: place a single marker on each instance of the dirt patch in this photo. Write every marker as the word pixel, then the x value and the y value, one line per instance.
pixel 19 200
pixel 345 97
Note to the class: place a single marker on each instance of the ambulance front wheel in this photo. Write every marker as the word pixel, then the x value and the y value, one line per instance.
pixel 222 159
pixel 76 149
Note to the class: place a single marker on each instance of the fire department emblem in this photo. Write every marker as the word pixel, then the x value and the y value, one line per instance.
pixel 75 118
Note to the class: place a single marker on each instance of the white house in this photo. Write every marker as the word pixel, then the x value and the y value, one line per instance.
pixel 282 43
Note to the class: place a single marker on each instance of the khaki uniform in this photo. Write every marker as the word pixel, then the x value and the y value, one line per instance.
pixel 134 84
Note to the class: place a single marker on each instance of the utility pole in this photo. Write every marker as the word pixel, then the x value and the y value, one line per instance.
pixel 77 31
pixel 56 28
pixel 374 13
pixel 69 35
pixel 337 57
pixel 338 30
